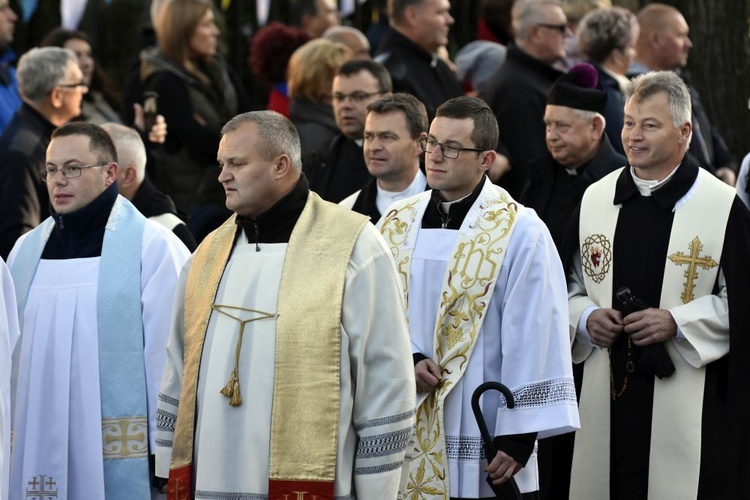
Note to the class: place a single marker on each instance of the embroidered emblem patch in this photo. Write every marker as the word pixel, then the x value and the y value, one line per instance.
pixel 41 487
pixel 596 257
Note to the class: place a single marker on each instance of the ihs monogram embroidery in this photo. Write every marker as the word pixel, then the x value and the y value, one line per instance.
pixel 596 257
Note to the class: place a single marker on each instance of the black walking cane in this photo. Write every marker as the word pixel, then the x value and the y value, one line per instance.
pixel 508 490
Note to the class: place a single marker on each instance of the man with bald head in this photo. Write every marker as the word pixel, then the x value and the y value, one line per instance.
pixel 325 356
pixel 352 38
pixel 663 45
pixel 517 93
pixel 138 189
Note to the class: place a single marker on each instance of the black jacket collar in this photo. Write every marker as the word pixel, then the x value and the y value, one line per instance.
pixel 80 234
pixel 667 195
pixel 150 201
pixel 275 225
pixel 395 39
pixel 515 54
pixel 601 164
pixel 366 201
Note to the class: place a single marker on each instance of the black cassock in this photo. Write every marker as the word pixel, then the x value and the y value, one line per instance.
pixel 639 252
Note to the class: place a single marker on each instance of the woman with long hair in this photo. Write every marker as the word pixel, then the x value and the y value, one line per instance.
pixel 197 93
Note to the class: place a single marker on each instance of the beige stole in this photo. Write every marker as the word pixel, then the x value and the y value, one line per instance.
pixel 467 290
pixel 308 346
pixel 690 270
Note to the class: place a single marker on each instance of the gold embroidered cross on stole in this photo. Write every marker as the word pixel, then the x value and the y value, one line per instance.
pixel 232 389
pixel 693 261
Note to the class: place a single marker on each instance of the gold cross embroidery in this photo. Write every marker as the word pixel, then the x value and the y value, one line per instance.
pixel 43 489
pixel 178 489
pixel 124 437
pixel 693 261
pixel 232 389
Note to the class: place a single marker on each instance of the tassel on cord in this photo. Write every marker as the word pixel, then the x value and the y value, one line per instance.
pixel 232 389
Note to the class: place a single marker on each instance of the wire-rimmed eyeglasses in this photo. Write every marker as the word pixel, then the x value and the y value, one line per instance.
pixel 449 151
pixel 68 171
pixel 354 96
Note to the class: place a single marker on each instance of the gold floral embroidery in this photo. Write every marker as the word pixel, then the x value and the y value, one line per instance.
pixel 475 266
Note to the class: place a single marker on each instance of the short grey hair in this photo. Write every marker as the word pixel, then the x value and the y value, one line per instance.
pixel 587 116
pixel 667 82
pixel 604 30
pixel 277 134
pixel 129 146
pixel 527 13
pixel 40 69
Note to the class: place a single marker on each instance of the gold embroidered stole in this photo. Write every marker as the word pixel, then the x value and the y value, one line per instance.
pixel 305 418
pixel 308 349
pixel 203 280
pixel 467 290
pixel 696 240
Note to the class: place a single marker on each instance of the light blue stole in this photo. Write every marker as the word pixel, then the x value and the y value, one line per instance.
pixel 122 371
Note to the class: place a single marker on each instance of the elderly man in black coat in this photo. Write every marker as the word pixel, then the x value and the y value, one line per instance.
pixel 578 151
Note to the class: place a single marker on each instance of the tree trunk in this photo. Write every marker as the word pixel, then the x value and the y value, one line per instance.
pixel 719 65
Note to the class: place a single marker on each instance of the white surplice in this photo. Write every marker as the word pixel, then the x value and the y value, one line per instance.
pixel 231 450
pixel 523 344
pixel 57 414
pixel 8 335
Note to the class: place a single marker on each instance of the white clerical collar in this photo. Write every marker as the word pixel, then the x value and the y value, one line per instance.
pixel 384 198
pixel 359 142
pixel 646 187
pixel 445 206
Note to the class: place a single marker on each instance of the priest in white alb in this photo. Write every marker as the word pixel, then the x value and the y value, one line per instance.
pixel 659 309
pixel 486 301
pixel 94 284
pixel 289 371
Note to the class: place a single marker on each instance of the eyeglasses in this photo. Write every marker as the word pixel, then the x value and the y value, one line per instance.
pixel 354 96
pixel 452 152
pixel 72 85
pixel 68 171
pixel 562 28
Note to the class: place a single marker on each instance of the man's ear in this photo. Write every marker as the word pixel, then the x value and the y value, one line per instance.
pixel 128 176
pixel 654 38
pixel 111 174
pixel 418 145
pixel 56 97
pixel 685 131
pixel 487 159
pixel 597 127
pixel 282 166
pixel 411 15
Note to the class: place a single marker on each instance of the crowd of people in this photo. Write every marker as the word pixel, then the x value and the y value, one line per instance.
pixel 205 301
